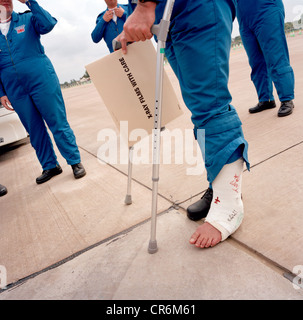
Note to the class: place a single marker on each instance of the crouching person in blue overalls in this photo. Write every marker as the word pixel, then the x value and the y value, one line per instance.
pixel 198 48
pixel 31 87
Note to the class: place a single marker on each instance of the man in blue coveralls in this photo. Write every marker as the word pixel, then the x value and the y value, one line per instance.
pixel 262 31
pixel 110 23
pixel 29 84
pixel 198 48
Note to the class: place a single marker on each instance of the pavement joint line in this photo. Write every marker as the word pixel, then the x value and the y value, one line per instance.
pixel 110 239
pixel 125 174
pixel 278 268
pixel 276 154
pixel 264 259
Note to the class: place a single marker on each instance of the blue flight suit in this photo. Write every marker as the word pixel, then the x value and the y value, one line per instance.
pixel 198 49
pixel 28 79
pixel 109 30
pixel 261 25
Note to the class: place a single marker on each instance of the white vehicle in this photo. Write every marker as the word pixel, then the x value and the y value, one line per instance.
pixel 11 128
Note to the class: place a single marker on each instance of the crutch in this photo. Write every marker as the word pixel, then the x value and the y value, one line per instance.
pixel 161 31
pixel 128 197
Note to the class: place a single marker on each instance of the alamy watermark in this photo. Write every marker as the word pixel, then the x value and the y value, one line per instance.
pixel 3 277
pixel 298 19
pixel 177 147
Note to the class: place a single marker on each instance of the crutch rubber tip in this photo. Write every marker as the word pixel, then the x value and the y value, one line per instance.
pixel 152 248
pixel 128 199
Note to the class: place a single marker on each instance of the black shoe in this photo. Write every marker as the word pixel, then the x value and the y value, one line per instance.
pixel 78 170
pixel 286 108
pixel 263 105
pixel 199 209
pixel 3 190
pixel 48 174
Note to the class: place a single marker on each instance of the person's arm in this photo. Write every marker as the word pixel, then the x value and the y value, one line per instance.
pixel 4 99
pixel 98 32
pixel 138 25
pixel 6 103
pixel 43 22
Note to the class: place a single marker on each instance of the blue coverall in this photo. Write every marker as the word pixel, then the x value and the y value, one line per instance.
pixel 29 81
pixel 109 30
pixel 198 49
pixel 261 25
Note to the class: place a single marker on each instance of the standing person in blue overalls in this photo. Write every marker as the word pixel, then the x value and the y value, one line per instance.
pixel 198 48
pixel 262 31
pixel 110 23
pixel 29 85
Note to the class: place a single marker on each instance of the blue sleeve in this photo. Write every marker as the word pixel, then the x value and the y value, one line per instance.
pixel 98 32
pixel 125 14
pixel 131 7
pixel 43 22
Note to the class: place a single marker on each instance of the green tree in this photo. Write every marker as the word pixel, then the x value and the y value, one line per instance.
pixel 288 27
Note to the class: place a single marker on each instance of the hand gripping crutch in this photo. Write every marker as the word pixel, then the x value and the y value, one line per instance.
pixel 161 31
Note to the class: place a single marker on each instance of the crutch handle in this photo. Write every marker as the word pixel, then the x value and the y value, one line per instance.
pixel 117 44
pixel 161 30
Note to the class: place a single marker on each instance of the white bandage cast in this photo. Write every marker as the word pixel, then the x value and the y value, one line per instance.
pixel 226 211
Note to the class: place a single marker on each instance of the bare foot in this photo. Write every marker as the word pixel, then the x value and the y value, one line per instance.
pixel 206 236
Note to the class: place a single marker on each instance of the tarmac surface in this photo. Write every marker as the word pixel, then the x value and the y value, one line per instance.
pixel 76 239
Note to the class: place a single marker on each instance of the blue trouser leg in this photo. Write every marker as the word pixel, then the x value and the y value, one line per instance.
pixel 34 125
pixel 38 97
pixel 265 20
pixel 259 75
pixel 51 106
pixel 200 59
pixel 275 50
pixel 47 96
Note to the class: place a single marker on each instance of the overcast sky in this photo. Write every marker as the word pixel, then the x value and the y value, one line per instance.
pixel 69 45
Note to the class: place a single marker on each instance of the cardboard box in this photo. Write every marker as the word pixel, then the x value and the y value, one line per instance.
pixel 126 83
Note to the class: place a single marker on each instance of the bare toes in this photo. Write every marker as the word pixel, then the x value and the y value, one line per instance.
pixel 194 238
pixel 205 236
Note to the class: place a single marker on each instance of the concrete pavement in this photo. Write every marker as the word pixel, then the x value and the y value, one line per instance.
pixel 76 239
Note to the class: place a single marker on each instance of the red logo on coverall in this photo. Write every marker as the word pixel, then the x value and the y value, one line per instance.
pixel 20 29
